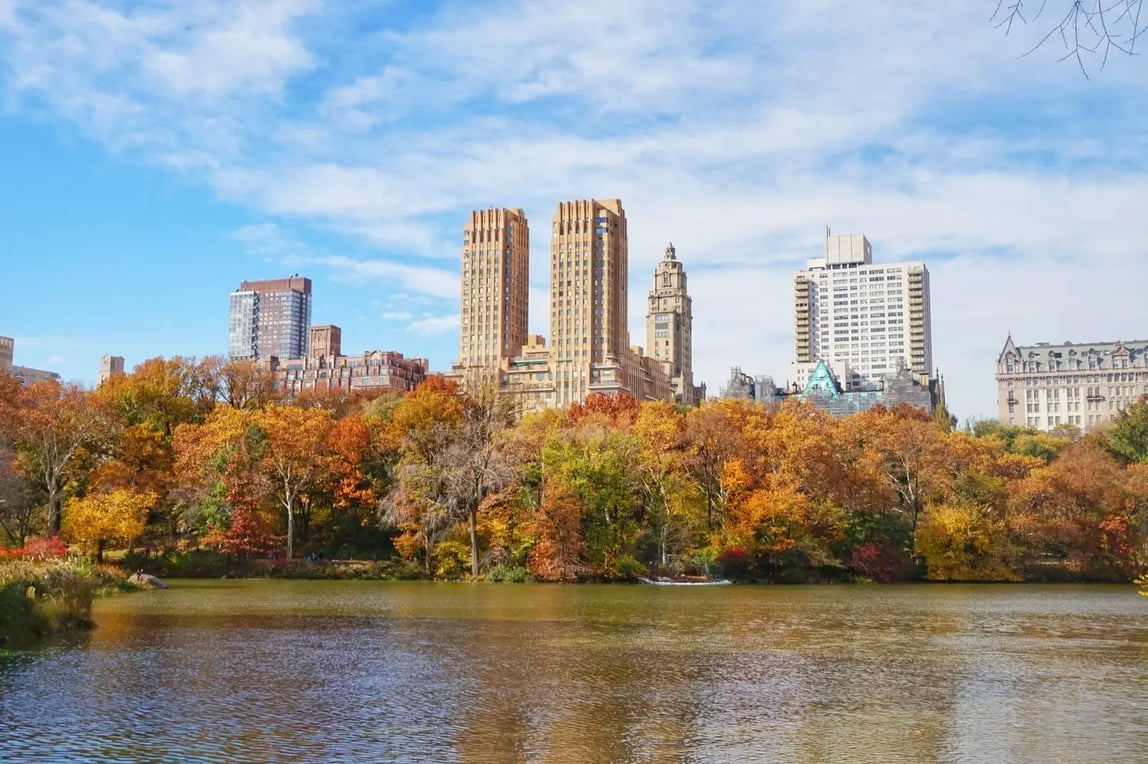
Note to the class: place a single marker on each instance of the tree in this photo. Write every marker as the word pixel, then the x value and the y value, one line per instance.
pixel 713 438
pixel 906 450
pixel 297 454
pixel 559 553
pixel 1127 437
pixel 162 393
pixel 51 426
pixel 474 464
pixel 241 384
pixel 1086 28
pixel 17 510
pixel 451 461
pixel 667 491
pixel 101 518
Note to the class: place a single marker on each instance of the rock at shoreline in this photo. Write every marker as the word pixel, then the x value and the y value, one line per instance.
pixel 146 581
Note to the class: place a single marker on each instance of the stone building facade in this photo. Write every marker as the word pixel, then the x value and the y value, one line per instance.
pixel 1083 384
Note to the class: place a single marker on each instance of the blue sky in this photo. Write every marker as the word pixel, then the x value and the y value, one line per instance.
pixel 154 154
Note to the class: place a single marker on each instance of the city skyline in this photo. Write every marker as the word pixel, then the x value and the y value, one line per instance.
pixel 155 170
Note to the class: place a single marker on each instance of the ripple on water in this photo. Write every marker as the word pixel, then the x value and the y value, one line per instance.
pixel 250 671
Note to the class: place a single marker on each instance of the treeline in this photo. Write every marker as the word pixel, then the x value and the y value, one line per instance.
pixel 186 455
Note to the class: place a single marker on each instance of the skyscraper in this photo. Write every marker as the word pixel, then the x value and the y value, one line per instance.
pixel 270 318
pixel 864 320
pixel 495 290
pixel 589 349
pixel 589 258
pixel 669 325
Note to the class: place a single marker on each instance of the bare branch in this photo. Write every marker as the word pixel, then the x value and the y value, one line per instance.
pixel 1088 29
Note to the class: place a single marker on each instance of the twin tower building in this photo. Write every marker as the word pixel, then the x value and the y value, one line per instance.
pixel 589 349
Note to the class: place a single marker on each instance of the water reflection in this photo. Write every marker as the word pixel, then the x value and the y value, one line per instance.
pixel 329 671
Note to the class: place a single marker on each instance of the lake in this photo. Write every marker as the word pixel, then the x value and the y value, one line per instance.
pixel 326 671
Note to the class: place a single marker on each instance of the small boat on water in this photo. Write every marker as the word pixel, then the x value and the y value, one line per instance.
pixel 663 581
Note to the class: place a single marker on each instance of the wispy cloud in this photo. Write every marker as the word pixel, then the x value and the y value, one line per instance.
pixel 434 325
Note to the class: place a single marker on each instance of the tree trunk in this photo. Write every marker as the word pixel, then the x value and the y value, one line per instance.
pixel 100 553
pixel 290 529
pixel 54 502
pixel 472 522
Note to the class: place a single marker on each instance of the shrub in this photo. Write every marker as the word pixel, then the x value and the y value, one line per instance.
pixel 41 597
pixel 451 559
pixel 733 562
pixel 628 569
pixel 37 549
pixel 509 574
pixel 881 562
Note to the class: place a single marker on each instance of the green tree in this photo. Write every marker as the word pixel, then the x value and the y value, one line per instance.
pixel 1127 438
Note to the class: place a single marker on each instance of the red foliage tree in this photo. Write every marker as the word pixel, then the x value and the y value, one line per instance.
pixel 619 410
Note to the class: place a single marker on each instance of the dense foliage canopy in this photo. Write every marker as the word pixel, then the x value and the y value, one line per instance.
pixel 191 454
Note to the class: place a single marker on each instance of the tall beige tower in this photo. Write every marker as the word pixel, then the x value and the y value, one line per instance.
pixel 669 325
pixel 588 309
pixel 110 366
pixel 495 289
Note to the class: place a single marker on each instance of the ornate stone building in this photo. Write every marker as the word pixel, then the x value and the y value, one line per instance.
pixel 1082 384
pixel 326 369
pixel 669 327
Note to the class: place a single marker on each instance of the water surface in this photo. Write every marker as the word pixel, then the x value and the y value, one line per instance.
pixel 330 671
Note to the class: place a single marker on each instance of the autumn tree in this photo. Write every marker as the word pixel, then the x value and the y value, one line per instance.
pixel 51 427
pixel 713 438
pixel 217 470
pixel 451 459
pixel 670 497
pixel 241 383
pixel 1084 509
pixel 297 455
pixel 162 393
pixel 17 510
pixel 98 519
pixel 906 450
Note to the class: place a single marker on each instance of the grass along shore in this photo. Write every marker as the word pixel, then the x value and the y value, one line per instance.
pixel 46 597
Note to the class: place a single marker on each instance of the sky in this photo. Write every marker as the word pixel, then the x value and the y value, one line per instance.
pixel 154 154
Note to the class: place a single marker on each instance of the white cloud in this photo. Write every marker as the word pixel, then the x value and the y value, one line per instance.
pixel 434 325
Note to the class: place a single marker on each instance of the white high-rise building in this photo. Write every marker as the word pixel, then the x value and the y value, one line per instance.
pixel 865 319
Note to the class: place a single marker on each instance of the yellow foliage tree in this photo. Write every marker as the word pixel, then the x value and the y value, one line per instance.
pixel 962 542
pixel 99 519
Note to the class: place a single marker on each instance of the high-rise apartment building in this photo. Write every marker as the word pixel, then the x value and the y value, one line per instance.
pixel 270 319
pixel 669 325
pixel 1083 384
pixel 864 320
pixel 495 290
pixel 589 259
